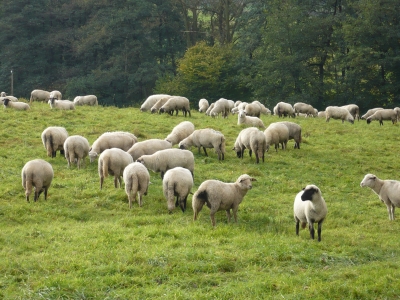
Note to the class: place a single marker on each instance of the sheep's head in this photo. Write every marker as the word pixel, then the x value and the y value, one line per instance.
pixel 369 180
pixel 244 181
pixel 182 145
pixel 242 114
pixel 368 120
pixel 309 192
pixel 92 156
pixel 5 101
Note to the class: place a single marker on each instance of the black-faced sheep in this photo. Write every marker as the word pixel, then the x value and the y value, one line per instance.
pixel 86 100
pixel 76 148
pixel 148 147
pixel 37 173
pixel 383 115
pixel 338 113
pixel 15 105
pixel 137 179
pixel 252 121
pixel 53 139
pixel 180 132
pixel 150 101
pixel 113 161
pixel 177 182
pixel 39 95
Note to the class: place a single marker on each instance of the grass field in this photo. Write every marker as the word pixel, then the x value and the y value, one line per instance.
pixel 85 243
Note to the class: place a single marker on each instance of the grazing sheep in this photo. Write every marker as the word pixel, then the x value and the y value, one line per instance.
pixel 242 140
pixel 265 110
pixel 177 182
pixel 86 100
pixel 148 147
pixel 156 107
pixel 53 139
pixel 284 109
pixel 294 132
pixel 354 110
pixel 322 114
pixel 397 110
pixel 388 191
pixel 15 105
pixel 338 113
pixel 309 207
pixel 277 133
pixel 116 139
pixel 150 101
pixel 253 139
pixel 163 160
pixel 37 173
pixel 221 107
pixel 180 132
pixel 113 161
pixel 218 195
pixel 203 105
pixel 39 95
pixel 61 104
pixel 137 179
pixel 206 138
pixel 76 148
pixel 55 94
pixel 252 121
pixel 176 103
pixel 383 114
pixel 241 106
pixel 210 108
pixel 303 108
pixel 253 109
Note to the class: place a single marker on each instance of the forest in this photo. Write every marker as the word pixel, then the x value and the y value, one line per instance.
pixel 329 52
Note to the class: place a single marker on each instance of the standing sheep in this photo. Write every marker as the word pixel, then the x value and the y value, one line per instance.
pixel 150 101
pixel 277 133
pixel 53 139
pixel 176 103
pixel 294 132
pixel 284 109
pixel 137 179
pixel 203 105
pixel 209 109
pixel 55 94
pixel 180 132
pixel 253 109
pixel 113 161
pixel 221 107
pixel 310 207
pixel 177 182
pixel 86 100
pixel 156 107
pixel 148 147
pixel 338 113
pixel 76 148
pixel 388 191
pixel 354 110
pixel 39 95
pixel 304 108
pixel 383 114
pixel 37 173
pixel 252 121
pixel 15 105
pixel 218 195
pixel 243 141
pixel 370 112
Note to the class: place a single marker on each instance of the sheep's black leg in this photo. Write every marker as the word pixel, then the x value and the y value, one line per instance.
pixel 177 201
pixel 311 227
pixel 297 227
pixel 205 152
pixel 319 230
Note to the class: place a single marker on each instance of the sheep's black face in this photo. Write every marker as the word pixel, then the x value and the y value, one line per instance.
pixel 5 101
pixel 368 121
pixel 308 194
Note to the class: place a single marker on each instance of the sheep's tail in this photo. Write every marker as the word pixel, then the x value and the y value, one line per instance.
pixel 49 144
pixel 171 195
pixel 104 167
pixel 198 201
pixel 222 147
pixel 27 183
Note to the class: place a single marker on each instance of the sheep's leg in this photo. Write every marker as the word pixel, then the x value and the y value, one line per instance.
pixel 319 230
pixel 101 182
pixel 393 207
pixel 297 226
pixel 228 215
pixel 199 148
pixel 234 210
pixel 311 227
pixel 212 219
pixel 250 152
pixel 116 181
pixel 205 152
pixel 45 192
pixel 257 158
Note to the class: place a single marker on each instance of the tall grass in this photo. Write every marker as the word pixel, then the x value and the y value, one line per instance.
pixel 84 243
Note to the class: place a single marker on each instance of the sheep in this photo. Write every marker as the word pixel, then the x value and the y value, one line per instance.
pixel 55 94
pixel 203 105
pixel 116 139
pixel 61 104
pixel 39 174
pixel 252 121
pixel 294 132
pixel 354 110
pixel 265 110
pixel 242 140
pixel 277 133
pixel 150 101
pixel 76 148
pixel 15 105
pixel 113 161
pixel 322 114
pixel 53 139
pixel 163 160
pixel 338 113
pixel 388 191
pixel 176 103
pixel 370 112
pixel 284 109
pixel 137 180
pixel 254 140
pixel 180 132
pixel 397 110
pixel 86 100
pixel 39 95
pixel 219 195
pixel 177 182
pixel 148 147
pixel 210 108
pixel 253 109
pixel 304 108
pixel 383 114
pixel 241 106
pixel 156 107
pixel 221 107
pixel 3 94
pixel 11 98
pixel 310 207
pixel 206 138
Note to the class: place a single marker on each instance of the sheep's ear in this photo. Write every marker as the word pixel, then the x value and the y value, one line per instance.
pixel 253 179
pixel 303 188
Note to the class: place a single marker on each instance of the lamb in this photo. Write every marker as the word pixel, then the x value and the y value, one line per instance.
pixel 150 101
pixel 180 132
pixel 304 108
pixel 354 110
pixel 219 195
pixel 209 109
pixel 37 173
pixel 137 180
pixel 53 139
pixel 39 95
pixel 55 94
pixel 116 139
pixel 15 105
pixel 156 107
pixel 221 107
pixel 61 104
pixel 177 182
pixel 148 147
pixel 310 207
pixel 252 121
pixel 338 113
pixel 284 109
pixel 206 138
pixel 294 132
pixel 203 105
pixel 113 161
pixel 86 100
pixel 76 148
pixel 388 191
pixel 277 133
pixel 163 160
pixel 383 114
pixel 176 103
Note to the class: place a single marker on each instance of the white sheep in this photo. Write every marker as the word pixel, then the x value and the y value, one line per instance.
pixel 176 103
pixel 322 114
pixel 61 104
pixel 206 138
pixel 284 109
pixel 310 207
pixel 115 139
pixel 388 191
pixel 150 101
pixel 156 107
pixel 15 105
pixel 86 100
pixel 253 139
pixel 148 147
pixel 252 121
pixel 76 148
pixel 242 140
pixel 222 106
pixel 370 112
pixel 3 94
pixel 180 132
pixel 39 174
pixel 354 110
pixel 163 160
pixel 294 132
pixel 137 180
pixel 177 182
pixel 11 98
pixel 218 195
pixel 55 94
pixel 338 113
pixel 203 105
pixel 210 108
pixel 277 133
pixel 39 95
pixel 304 108
pixel 113 161
pixel 383 114
pixel 53 139
pixel 241 106
pixel 253 109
